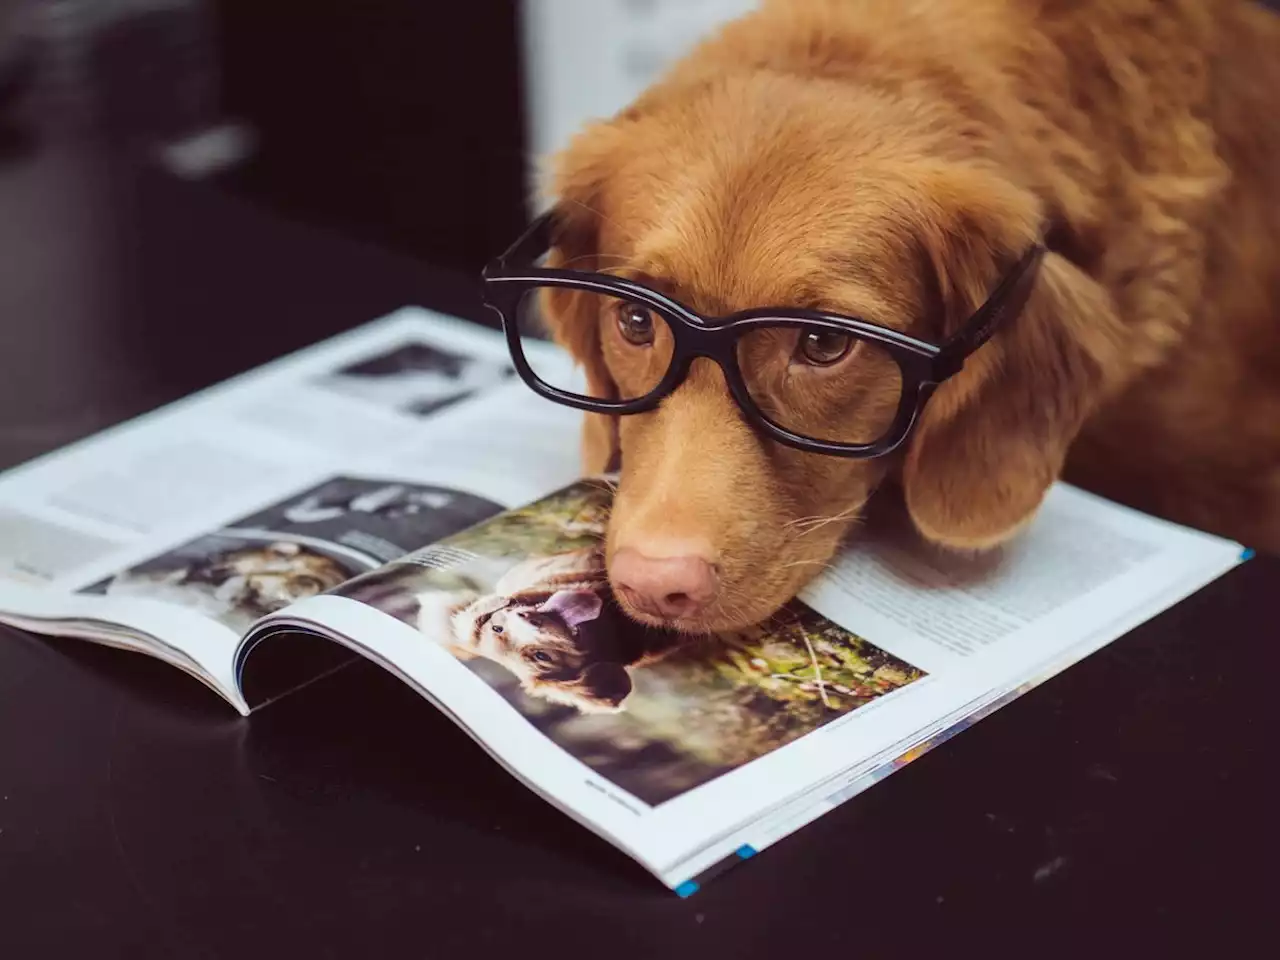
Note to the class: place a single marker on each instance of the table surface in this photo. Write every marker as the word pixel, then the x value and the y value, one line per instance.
pixel 1129 801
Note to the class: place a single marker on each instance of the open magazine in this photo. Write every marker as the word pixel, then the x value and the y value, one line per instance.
pixel 397 493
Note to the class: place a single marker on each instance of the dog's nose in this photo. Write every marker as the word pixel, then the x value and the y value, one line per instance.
pixel 667 587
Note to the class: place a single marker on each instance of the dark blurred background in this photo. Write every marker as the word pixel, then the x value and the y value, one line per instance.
pixel 397 120
pixel 412 124
pixel 409 123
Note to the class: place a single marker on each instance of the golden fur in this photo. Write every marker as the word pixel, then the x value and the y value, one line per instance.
pixel 891 159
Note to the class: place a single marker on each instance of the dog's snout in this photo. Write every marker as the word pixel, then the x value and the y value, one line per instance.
pixel 668 587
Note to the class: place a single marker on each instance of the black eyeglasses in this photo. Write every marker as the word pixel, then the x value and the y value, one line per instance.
pixel 815 381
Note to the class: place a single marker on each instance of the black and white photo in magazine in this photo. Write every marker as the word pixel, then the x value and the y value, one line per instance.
pixel 299 547
pixel 383 518
pixel 417 379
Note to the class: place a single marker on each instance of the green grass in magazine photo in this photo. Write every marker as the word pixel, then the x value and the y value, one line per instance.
pixel 523 600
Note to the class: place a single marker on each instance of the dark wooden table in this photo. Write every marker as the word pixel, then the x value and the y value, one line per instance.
pixel 1126 805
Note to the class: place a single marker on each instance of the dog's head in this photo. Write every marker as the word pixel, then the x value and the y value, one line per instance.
pixel 270 577
pixel 757 189
pixel 558 651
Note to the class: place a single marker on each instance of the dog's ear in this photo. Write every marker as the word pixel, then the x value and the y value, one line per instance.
pixel 600 689
pixel 574 607
pixel 604 686
pixel 578 179
pixel 995 436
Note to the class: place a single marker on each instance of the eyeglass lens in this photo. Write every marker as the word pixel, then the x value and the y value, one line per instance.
pixel 816 382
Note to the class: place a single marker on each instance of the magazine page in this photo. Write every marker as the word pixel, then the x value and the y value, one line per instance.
pixel 182 528
pixel 686 751
pixel 983 629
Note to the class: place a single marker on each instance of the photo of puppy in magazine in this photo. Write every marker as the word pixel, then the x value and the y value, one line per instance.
pixel 523 600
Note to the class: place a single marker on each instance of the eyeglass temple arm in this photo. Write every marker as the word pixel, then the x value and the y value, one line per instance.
pixel 529 246
pixel 1005 303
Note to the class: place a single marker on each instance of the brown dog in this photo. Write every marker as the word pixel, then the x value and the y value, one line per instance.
pixel 890 159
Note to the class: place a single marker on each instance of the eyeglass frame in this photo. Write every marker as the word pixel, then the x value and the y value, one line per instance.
pixel 924 366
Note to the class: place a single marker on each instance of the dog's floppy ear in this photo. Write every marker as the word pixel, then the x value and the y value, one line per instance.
pixel 577 182
pixel 574 607
pixel 995 436
pixel 601 688
pixel 604 686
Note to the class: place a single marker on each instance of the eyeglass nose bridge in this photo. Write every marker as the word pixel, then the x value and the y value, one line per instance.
pixel 717 344
pixel 702 341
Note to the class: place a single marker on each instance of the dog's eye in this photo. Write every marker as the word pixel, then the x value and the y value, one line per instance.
pixel 821 348
pixel 496 628
pixel 635 323
pixel 541 656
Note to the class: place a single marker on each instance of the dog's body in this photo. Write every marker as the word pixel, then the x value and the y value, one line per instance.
pixel 890 159
pixel 549 622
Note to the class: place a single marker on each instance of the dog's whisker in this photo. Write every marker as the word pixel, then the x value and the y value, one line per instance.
pixel 801 530
pixel 823 564
pixel 798 536
pixel 606 484
pixel 801 520
pixel 809 524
